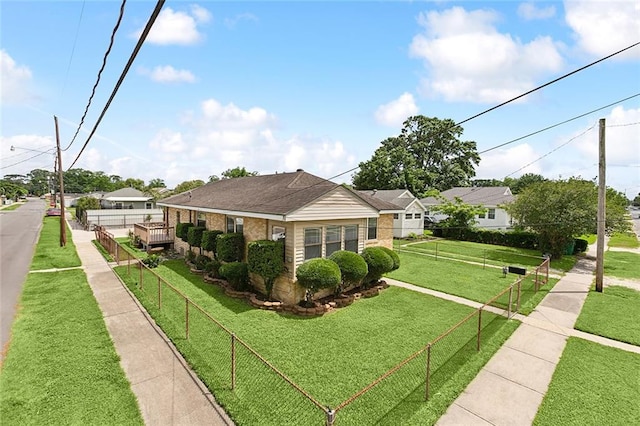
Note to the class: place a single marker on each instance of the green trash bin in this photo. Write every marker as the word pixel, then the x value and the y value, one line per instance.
pixel 568 249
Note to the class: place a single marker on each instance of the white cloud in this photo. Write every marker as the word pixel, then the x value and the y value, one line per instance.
pixel 530 11
pixel 218 116
pixel 168 142
pixel 14 79
pixel 177 27
pixel 168 74
pixel 397 111
pixel 603 27
pixel 469 60
pixel 501 162
pixel 231 22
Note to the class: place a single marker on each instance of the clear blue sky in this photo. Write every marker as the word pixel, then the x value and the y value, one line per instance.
pixel 277 86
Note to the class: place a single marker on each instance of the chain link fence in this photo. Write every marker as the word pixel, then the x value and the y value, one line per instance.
pixel 262 394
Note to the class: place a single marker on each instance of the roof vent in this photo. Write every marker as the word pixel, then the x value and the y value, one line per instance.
pixel 300 170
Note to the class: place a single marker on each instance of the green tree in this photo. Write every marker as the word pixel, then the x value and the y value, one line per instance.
pixel 517 185
pixel 558 211
pixel 636 200
pixel 39 182
pixel 236 172
pixel 461 216
pixel 213 178
pixel 156 183
pixel 187 185
pixel 428 153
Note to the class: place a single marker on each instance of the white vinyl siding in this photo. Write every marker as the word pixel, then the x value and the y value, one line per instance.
pixel 337 204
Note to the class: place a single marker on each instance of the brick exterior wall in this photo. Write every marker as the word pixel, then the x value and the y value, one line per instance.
pixel 385 230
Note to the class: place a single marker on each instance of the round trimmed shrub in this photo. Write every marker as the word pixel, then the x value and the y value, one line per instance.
pixel 201 261
pixel 580 246
pixel 318 273
pixel 182 229
pixel 212 268
pixel 236 273
pixel 353 268
pixel 394 256
pixel 379 263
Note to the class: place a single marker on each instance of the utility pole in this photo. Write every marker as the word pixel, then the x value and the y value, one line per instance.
pixel 63 223
pixel 602 189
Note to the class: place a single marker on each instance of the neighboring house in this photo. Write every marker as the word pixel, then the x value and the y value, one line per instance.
pixel 411 219
pixel 492 198
pixel 127 198
pixel 313 216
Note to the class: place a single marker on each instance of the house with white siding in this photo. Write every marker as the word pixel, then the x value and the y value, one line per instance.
pixel 491 198
pixel 411 219
pixel 314 217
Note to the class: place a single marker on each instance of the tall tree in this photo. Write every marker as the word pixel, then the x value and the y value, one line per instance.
pixel 156 183
pixel 517 185
pixel 559 211
pixel 236 172
pixel 428 154
pixel 39 182
pixel 187 185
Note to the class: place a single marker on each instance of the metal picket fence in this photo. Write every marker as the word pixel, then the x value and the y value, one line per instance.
pixel 230 365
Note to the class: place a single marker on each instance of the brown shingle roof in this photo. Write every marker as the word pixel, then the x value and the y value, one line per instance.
pixel 264 194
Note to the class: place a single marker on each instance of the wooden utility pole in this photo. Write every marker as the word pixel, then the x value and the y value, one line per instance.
pixel 602 190
pixel 63 223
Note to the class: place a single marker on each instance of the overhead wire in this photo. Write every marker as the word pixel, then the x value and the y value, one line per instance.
pixel 104 64
pixel 73 49
pixel 25 160
pixel 141 40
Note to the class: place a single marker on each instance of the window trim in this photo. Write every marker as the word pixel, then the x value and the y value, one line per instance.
pixel 491 214
pixel 372 229
pixel 237 220
pixel 201 222
pixel 334 242
pixel 408 216
pixel 315 246
pixel 357 239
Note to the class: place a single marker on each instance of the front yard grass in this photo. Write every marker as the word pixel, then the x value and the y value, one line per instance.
pixel 484 253
pixel 331 357
pixel 610 314
pixel 462 279
pixel 624 240
pixel 592 385
pixel 61 367
pixel 48 252
pixel 622 264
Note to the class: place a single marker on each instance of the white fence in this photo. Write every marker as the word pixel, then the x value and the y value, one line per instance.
pixel 123 218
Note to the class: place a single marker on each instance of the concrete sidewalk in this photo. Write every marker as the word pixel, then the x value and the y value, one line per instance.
pixel 168 392
pixel 510 388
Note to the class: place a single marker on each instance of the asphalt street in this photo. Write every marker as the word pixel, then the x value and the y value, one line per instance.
pixel 19 230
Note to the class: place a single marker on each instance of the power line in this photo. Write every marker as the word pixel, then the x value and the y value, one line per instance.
pixel 559 124
pixel 25 160
pixel 73 49
pixel 141 40
pixel 550 83
pixel 552 151
pixel 104 63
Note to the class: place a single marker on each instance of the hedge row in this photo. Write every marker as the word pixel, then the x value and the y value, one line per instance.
pixel 518 239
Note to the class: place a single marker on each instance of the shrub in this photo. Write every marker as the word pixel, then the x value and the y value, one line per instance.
pixel 212 268
pixel 194 235
pixel 352 266
pixel 182 229
pixel 191 256
pixel 201 261
pixel 230 247
pixel 266 258
pixel 378 262
pixel 209 240
pixel 394 256
pixel 236 273
pixel 580 246
pixel 318 273
pixel 152 260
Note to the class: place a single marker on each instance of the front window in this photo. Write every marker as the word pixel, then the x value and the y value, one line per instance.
pixel 118 206
pixel 235 224
pixel 351 238
pixel 333 239
pixel 148 206
pixel 396 216
pixel 481 216
pixel 408 216
pixel 416 216
pixel 202 220
pixel 492 213
pixel 372 228
pixel 312 243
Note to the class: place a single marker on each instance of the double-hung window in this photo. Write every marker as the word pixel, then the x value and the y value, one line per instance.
pixel 235 224
pixel 408 215
pixel 416 215
pixel 351 238
pixel 492 213
pixel 372 228
pixel 312 243
pixel 333 240
pixel 202 221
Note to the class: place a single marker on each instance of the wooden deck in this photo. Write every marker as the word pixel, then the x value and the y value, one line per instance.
pixel 154 233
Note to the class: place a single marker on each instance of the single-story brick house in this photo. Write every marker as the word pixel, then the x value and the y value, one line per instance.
pixel 410 221
pixel 493 198
pixel 314 216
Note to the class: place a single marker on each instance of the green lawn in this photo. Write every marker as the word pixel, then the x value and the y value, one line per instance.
pixel 624 240
pixel 462 279
pixel 135 252
pixel 11 207
pixel 48 252
pixel 622 264
pixel 61 367
pixel 610 314
pixel 592 385
pixel 484 253
pixel 331 357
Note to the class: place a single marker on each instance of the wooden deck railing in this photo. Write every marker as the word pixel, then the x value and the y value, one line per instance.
pixel 151 233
